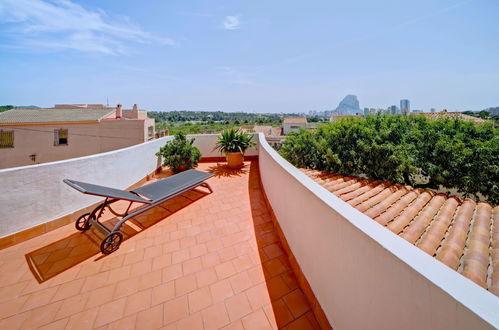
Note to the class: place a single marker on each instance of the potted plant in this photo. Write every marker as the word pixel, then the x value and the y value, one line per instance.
pixel 179 154
pixel 233 144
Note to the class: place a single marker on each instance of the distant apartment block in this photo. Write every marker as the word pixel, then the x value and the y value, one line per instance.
pixel 39 135
pixel 293 124
pixel 493 111
pixel 405 106
pixel 393 109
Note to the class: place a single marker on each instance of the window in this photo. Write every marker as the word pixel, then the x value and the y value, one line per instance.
pixel 6 139
pixel 150 131
pixel 61 137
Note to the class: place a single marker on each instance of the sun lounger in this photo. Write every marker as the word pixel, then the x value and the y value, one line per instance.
pixel 151 195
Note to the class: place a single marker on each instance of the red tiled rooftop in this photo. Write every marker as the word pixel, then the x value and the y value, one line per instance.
pixel 450 115
pixel 198 261
pixel 464 235
pixel 294 120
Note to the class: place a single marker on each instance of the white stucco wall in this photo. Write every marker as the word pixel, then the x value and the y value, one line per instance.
pixel 35 194
pixel 294 127
pixel 206 143
pixel 364 276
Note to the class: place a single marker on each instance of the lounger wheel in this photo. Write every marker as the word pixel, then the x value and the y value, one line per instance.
pixel 83 222
pixel 111 243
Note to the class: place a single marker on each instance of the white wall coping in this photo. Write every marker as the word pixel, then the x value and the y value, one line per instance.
pixel 480 301
pixel 70 160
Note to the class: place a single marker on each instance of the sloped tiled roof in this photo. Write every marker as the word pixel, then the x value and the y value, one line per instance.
pixel 464 235
pixel 450 115
pixel 52 115
pixel 266 130
pixel 295 120
pixel 339 117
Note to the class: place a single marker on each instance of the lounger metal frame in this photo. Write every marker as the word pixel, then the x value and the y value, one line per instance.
pixel 114 235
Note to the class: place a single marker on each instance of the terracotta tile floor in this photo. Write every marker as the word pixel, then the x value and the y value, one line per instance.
pixel 200 261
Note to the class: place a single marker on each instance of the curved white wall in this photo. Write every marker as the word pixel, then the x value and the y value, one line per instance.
pixel 364 276
pixel 35 194
pixel 32 195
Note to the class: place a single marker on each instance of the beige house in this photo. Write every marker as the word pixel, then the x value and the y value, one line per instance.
pixel 293 124
pixel 34 136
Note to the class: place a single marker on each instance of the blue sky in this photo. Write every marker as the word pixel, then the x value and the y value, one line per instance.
pixel 258 56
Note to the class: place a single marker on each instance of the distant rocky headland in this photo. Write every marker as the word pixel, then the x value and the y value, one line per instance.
pixel 349 105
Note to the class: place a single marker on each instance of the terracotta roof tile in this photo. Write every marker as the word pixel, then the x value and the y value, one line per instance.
pixel 52 115
pixel 294 120
pixel 449 115
pixel 464 235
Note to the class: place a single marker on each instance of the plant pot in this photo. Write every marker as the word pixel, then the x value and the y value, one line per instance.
pixel 181 168
pixel 235 159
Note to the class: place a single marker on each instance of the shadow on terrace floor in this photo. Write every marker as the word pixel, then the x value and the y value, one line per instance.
pixel 222 170
pixel 57 257
pixel 290 306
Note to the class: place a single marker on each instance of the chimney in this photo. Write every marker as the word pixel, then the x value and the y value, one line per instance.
pixel 135 112
pixel 119 113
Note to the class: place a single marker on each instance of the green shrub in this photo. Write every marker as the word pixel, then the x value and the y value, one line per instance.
pixel 231 140
pixel 179 153
pixel 449 153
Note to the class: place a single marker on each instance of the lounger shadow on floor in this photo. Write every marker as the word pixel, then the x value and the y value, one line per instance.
pixel 57 257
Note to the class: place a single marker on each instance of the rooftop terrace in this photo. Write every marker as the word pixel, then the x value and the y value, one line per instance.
pixel 269 248
pixel 199 260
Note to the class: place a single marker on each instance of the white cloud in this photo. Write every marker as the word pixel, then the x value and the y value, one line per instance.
pixel 62 24
pixel 232 23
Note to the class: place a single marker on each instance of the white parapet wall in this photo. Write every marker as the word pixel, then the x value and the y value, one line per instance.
pixel 35 194
pixel 206 143
pixel 363 275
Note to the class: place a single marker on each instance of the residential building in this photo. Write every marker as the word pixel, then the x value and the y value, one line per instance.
pixel 293 124
pixel 40 135
pixel 273 135
pixel 405 106
pixel 337 118
pixel 393 109
pixel 450 115
pixel 433 110
pixel 493 111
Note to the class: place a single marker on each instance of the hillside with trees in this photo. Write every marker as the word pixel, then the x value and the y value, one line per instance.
pixel 453 154
pixel 206 122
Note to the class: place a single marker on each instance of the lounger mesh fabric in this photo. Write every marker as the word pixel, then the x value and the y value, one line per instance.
pixel 93 189
pixel 171 185
pixel 155 193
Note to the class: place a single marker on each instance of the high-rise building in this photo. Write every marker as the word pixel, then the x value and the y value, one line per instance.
pixel 405 106
pixel 393 109
pixel 432 110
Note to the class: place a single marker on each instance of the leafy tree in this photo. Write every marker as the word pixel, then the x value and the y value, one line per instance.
pixel 6 107
pixel 484 114
pixel 445 153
